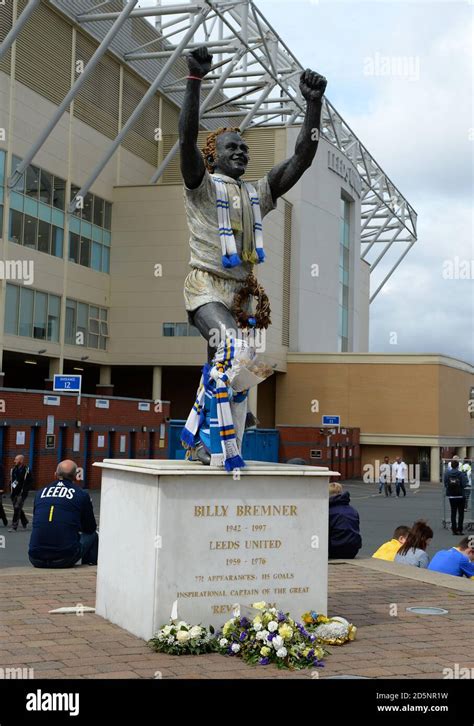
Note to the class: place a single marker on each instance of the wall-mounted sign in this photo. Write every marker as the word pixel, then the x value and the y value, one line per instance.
pixel 50 441
pixel 144 406
pixel 76 441
pixel 100 442
pixel 316 454
pixel 50 424
pixel 51 400
pixel 123 444
pixel 20 438
pixel 102 403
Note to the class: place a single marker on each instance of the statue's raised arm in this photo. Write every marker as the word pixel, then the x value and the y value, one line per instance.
pixel 192 163
pixel 284 175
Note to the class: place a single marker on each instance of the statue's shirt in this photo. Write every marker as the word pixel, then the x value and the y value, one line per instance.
pixel 201 212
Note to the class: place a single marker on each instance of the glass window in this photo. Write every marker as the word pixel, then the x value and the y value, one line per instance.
pixel 103 313
pixel 82 323
pixel 32 182
pixel 108 215
pixel 87 209
pixel 59 193
pixel 73 247
pixel 105 259
pixel 1 221
pixel 54 308
pixel 85 255
pixel 44 236
pixel 40 315
pixel 2 167
pixel 70 322
pixel 16 226
pixel 30 231
pixel 74 190
pixel 93 341
pixel 46 187
pixel 20 185
pixel 96 259
pixel 26 312
pixel 98 218
pixel 102 343
pixel 104 328
pixel 168 330
pixel 12 303
pixel 181 329
pixel 57 241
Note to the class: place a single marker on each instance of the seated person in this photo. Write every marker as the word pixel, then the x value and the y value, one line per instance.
pixel 344 532
pixel 388 550
pixel 413 552
pixel 64 527
pixel 456 561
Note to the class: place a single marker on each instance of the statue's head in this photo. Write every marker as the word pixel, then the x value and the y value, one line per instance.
pixel 226 152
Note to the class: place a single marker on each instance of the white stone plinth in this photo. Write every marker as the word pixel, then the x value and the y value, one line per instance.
pixel 178 531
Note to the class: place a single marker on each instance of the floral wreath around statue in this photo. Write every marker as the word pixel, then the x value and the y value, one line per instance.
pixel 261 318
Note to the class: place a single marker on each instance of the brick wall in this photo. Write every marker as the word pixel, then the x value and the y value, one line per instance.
pixel 25 413
pixel 338 451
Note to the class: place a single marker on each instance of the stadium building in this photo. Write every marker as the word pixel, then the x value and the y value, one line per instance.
pixel 94 243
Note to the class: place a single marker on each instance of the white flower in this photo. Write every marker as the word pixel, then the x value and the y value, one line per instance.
pixel 281 652
pixel 170 640
pixel 257 626
pixel 235 648
pixel 277 642
pixel 223 642
pixel 262 635
pixel 182 636
pixel 272 626
pixel 273 610
pixel 182 624
pixel 195 631
pixel 167 629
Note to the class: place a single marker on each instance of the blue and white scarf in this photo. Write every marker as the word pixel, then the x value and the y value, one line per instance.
pixel 214 381
pixel 252 232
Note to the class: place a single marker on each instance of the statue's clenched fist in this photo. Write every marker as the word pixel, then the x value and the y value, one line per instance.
pixel 199 62
pixel 312 85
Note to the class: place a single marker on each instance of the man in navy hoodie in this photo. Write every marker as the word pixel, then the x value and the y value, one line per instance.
pixel 64 526
pixel 344 533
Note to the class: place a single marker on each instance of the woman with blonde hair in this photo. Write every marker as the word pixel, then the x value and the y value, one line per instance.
pixel 344 532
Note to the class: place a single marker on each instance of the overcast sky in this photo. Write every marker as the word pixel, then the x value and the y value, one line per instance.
pixel 419 128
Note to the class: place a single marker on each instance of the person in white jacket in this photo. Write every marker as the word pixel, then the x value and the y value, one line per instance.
pixel 400 472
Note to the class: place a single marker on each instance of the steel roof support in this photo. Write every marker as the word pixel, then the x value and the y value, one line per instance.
pixel 199 19
pixel 64 105
pixel 17 27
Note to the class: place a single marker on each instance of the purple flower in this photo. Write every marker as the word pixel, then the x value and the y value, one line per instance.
pixel 312 638
pixel 264 661
pixel 244 622
pixel 281 616
pixel 243 635
pixel 310 654
pixel 270 636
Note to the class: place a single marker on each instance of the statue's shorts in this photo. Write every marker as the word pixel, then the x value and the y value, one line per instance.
pixel 201 287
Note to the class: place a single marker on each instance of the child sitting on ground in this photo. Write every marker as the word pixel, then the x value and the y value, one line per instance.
pixel 413 552
pixel 388 550
pixel 457 561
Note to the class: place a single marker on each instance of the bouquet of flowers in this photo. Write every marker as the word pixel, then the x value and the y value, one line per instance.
pixel 271 636
pixel 180 638
pixel 330 631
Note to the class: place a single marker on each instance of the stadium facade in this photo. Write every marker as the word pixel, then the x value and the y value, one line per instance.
pixel 93 234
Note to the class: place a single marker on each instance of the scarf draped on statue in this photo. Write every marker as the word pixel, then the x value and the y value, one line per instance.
pixel 252 235
pixel 211 409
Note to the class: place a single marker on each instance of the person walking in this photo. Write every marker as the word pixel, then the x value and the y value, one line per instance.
pixel 385 477
pixel 455 484
pixel 20 483
pixel 3 516
pixel 400 471
pixel 467 469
